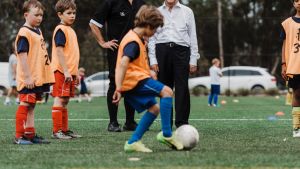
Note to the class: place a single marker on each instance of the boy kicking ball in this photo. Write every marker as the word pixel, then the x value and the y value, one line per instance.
pixel 134 82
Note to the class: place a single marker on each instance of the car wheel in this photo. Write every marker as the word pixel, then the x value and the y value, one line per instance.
pixel 257 89
pixel 2 91
pixel 199 90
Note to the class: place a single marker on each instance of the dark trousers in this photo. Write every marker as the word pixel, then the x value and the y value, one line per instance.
pixel 173 62
pixel 113 108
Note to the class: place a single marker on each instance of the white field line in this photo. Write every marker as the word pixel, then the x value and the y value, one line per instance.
pixel 159 119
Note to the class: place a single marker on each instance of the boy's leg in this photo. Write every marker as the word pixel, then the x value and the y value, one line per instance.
pixel 57 118
pixel 215 99
pixel 210 98
pixel 165 112
pixel 296 112
pixel 21 118
pixel 134 143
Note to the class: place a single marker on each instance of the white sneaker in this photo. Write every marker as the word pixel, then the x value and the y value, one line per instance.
pixel 60 135
pixel 296 133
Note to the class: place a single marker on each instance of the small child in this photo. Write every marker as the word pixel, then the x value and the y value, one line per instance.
pixel 290 65
pixel 12 71
pixel 215 74
pixel 33 72
pixel 83 89
pixel 133 80
pixel 65 58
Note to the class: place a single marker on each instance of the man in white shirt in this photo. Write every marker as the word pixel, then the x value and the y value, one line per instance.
pixel 173 53
pixel 215 74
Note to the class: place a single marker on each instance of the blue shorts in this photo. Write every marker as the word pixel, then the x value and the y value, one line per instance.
pixel 215 89
pixel 143 96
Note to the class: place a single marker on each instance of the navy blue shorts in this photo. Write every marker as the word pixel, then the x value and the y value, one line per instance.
pixel 294 82
pixel 143 96
pixel 215 89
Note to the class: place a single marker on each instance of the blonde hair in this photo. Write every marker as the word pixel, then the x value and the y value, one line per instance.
pixel 215 60
pixel 81 69
pixel 32 4
pixel 149 15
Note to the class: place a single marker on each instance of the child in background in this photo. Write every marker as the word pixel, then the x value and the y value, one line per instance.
pixel 65 58
pixel 12 72
pixel 215 74
pixel 33 72
pixel 83 89
pixel 133 80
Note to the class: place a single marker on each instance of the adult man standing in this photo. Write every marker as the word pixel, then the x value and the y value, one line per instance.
pixel 118 16
pixel 173 53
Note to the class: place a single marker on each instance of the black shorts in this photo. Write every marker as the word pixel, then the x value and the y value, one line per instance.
pixel 294 82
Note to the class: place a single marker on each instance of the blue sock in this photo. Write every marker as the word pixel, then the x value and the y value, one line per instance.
pixel 210 97
pixel 216 99
pixel 142 127
pixel 165 114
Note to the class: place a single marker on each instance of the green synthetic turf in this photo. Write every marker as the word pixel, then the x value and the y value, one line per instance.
pixel 255 143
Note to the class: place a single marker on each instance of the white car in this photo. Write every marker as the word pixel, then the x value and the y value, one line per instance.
pixel 238 77
pixel 97 84
pixel 4 84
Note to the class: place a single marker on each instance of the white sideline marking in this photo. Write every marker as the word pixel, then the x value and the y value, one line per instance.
pixel 159 119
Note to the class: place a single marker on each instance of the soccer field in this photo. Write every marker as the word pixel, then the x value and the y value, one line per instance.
pixel 235 135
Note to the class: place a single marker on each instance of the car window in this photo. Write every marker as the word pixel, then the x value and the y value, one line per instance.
pixel 255 73
pixel 240 72
pixel 228 73
pixel 246 73
pixel 100 77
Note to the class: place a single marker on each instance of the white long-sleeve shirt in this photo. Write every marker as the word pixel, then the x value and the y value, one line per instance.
pixel 180 28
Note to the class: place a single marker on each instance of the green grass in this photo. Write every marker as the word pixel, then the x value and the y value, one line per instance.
pixel 223 143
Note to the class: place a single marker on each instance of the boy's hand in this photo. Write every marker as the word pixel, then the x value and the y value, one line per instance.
pixel 153 75
pixel 116 97
pixel 283 72
pixel 68 77
pixel 29 83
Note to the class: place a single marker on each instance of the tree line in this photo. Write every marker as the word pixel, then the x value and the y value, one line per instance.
pixel 251 30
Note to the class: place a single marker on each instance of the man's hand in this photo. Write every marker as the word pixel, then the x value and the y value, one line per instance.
pixel 112 45
pixel 155 68
pixel 193 68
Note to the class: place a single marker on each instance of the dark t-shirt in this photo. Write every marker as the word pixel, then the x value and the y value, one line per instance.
pixel 132 50
pixel 119 16
pixel 23 44
pixel 60 38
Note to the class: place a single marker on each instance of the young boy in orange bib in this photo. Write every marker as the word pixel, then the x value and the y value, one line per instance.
pixel 65 59
pixel 135 81
pixel 291 62
pixel 34 74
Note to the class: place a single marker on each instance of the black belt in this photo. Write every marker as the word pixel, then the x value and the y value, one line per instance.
pixel 170 44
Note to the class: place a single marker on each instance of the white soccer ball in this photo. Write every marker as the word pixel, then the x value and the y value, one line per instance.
pixel 188 136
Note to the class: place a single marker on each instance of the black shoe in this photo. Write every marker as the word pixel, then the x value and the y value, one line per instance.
pixel 130 126
pixel 114 127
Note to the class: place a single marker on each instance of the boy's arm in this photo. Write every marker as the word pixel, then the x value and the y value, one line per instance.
pixel 120 74
pixel 283 62
pixel 62 62
pixel 14 71
pixel 29 82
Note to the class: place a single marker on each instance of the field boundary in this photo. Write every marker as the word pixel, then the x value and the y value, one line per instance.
pixel 244 119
